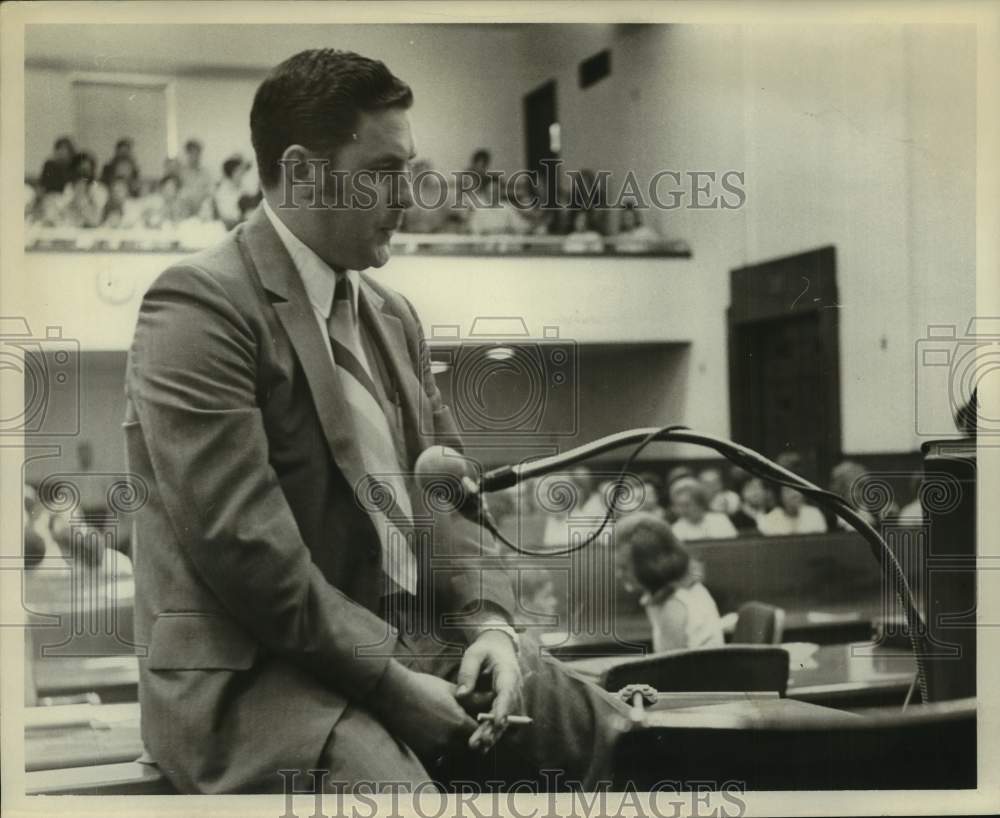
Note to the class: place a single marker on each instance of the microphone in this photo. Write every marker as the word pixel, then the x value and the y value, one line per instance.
pixel 440 473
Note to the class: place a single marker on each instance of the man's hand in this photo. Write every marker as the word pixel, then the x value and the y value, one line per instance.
pixel 421 710
pixel 491 655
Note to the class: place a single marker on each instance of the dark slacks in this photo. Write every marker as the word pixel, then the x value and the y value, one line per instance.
pixel 568 745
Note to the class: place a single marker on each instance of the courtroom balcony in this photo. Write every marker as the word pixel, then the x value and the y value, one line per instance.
pixel 192 235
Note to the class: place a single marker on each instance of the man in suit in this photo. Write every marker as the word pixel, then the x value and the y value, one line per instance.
pixel 277 397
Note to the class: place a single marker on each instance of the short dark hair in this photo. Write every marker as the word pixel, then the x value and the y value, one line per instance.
pixel 124 142
pixel 658 558
pixel 231 165
pixel 76 167
pixel 191 145
pixel 482 154
pixel 65 142
pixel 313 99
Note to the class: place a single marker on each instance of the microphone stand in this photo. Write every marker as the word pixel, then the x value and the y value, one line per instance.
pixel 753 462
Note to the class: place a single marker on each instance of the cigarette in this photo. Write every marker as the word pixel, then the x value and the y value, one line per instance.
pixel 514 719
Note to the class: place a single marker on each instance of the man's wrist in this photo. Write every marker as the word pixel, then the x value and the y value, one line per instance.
pixel 498 624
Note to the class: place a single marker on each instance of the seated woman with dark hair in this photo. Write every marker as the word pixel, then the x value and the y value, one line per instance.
pixel 681 611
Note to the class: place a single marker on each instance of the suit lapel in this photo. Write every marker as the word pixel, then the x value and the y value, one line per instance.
pixel 278 276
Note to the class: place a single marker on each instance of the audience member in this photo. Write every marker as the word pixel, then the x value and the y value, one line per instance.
pixel 583 239
pixel 82 209
pixel 31 197
pixel 582 514
pixel 84 165
pixel 652 494
pixel 123 166
pixel 432 201
pixel 121 210
pixel 57 168
pixel 479 169
pixel 725 501
pixel 847 480
pixel 165 207
pixel 589 195
pixel 676 473
pixel 755 502
pixel 681 611
pixel 531 219
pixel 560 213
pixel 49 209
pixel 197 184
pixel 792 516
pixel 248 203
pixel 230 188
pixel 634 236
pixel 496 218
pixel 694 520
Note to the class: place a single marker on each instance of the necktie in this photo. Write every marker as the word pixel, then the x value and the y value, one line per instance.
pixel 389 503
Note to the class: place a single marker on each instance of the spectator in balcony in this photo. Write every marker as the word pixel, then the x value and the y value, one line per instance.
pixel 121 210
pixel 31 197
pixel 634 236
pixel 694 519
pixel 681 611
pixel 431 201
pixel 123 166
pixel 57 168
pixel 583 239
pixel 165 207
pixel 498 217
pixel 530 218
pixel 721 499
pixel 82 209
pixel 589 195
pixel 49 209
pixel 792 516
pixel 230 188
pixel 248 203
pixel 479 170
pixel 84 165
pixel 197 183
pixel 560 211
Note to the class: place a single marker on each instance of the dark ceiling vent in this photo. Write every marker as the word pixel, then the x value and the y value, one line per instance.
pixel 594 69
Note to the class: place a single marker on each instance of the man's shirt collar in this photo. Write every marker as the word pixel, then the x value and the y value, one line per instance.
pixel 319 278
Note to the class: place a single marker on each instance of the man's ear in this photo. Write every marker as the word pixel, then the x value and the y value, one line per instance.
pixel 294 159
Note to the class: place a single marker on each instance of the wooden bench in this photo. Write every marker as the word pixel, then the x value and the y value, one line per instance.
pixel 87 750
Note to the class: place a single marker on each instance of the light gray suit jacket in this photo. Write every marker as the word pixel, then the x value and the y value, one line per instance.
pixel 258 575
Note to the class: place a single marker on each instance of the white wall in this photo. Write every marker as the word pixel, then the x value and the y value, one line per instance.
pixel 857 136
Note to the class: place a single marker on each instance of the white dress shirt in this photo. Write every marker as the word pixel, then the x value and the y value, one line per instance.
pixel 319 278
